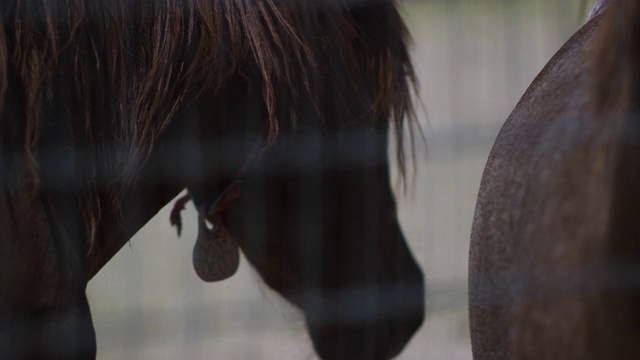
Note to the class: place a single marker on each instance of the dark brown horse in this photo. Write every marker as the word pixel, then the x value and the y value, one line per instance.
pixel 110 108
pixel 555 247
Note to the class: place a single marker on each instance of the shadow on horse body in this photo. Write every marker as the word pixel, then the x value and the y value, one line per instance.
pixel 112 118
pixel 553 267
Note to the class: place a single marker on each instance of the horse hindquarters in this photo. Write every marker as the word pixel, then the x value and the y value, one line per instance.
pixel 541 276
pixel 554 241
pixel 570 290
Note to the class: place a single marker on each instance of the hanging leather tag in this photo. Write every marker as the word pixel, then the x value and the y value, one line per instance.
pixel 216 255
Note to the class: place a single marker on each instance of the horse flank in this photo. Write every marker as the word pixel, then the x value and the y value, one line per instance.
pixel 121 69
pixel 559 203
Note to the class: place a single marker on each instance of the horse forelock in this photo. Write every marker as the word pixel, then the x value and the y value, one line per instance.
pixel 126 67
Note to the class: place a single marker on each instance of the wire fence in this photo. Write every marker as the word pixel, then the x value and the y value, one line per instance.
pixel 474 59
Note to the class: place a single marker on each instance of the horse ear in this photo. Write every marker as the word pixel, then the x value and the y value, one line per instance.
pixel 216 255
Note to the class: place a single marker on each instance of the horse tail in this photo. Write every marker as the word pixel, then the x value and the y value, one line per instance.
pixel 617 101
pixel 617 61
pixel 616 95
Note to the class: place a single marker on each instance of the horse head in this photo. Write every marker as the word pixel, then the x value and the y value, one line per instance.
pixel 316 216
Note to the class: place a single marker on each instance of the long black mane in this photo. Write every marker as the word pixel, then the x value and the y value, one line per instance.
pixel 87 86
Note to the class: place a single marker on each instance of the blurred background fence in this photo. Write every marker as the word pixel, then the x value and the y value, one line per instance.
pixel 474 59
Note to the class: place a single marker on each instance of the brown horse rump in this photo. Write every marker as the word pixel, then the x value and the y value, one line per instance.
pixel 553 268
